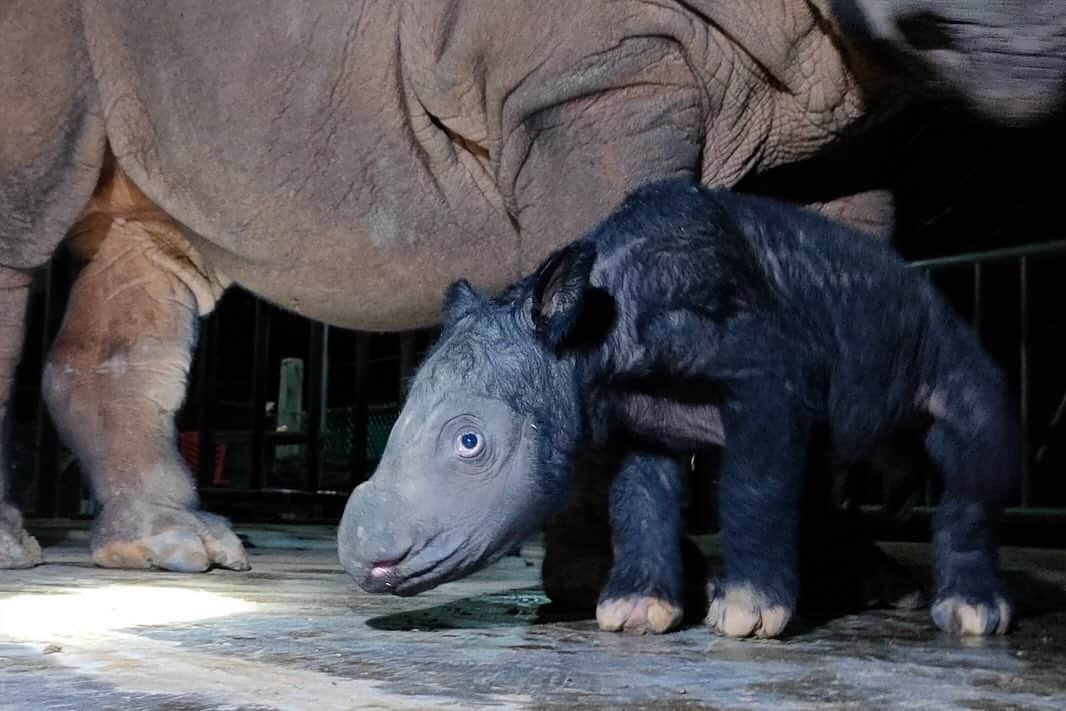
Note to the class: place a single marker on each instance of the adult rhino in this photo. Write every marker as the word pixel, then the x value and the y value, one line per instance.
pixel 347 161
pixel 1005 59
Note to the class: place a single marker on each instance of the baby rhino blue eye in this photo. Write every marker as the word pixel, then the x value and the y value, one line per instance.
pixel 468 444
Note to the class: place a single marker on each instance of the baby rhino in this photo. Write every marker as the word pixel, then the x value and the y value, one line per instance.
pixel 689 317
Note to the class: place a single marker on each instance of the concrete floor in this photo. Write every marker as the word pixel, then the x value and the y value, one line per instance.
pixel 295 633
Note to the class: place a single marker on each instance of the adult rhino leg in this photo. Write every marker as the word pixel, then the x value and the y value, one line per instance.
pixel 18 549
pixel 116 376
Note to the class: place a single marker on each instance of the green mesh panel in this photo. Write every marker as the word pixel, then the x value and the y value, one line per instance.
pixel 338 431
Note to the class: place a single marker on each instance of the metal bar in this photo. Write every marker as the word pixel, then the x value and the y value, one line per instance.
pixel 407 361
pixel 1023 372
pixel 43 450
pixel 991 255
pixel 316 358
pixel 46 443
pixel 260 368
pixel 702 513
pixel 927 274
pixel 207 380
pixel 360 411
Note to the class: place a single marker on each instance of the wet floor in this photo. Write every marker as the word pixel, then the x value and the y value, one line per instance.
pixel 295 633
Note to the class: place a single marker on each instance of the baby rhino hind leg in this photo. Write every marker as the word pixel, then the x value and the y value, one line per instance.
pixel 116 376
pixel 976 445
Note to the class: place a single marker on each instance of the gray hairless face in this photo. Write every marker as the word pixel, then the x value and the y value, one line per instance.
pixel 470 431
pixel 1004 58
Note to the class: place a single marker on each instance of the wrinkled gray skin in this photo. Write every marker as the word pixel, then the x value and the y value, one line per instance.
pixel 347 161
pixel 1004 59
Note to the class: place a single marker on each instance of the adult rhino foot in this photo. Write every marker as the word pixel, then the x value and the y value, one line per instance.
pixel 138 534
pixel 18 549
pixel 639 614
pixel 740 610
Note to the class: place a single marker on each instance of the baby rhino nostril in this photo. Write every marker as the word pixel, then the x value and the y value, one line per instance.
pixel 381 568
pixel 384 567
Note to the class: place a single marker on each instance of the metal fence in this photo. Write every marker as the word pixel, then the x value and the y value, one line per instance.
pixel 251 467
pixel 1012 297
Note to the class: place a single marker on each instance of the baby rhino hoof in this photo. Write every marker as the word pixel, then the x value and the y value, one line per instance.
pixel 144 535
pixel 638 614
pixel 741 611
pixel 958 616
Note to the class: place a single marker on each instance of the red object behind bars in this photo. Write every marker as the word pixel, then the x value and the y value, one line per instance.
pixel 189 446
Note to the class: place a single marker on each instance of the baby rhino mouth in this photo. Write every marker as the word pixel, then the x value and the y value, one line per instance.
pixel 410 573
pixel 383 575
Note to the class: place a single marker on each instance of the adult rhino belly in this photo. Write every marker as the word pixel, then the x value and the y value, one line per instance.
pixel 348 278
pixel 287 141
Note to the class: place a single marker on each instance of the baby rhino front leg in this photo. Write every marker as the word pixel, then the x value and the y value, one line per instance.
pixel 759 489
pixel 645 588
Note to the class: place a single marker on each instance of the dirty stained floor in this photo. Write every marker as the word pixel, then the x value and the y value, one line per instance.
pixel 295 633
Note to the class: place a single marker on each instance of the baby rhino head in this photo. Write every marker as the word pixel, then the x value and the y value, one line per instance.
pixel 478 457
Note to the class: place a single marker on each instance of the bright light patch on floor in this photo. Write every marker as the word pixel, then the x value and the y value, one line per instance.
pixel 39 616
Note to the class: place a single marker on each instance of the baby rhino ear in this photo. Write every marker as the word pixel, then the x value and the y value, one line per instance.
pixel 559 291
pixel 459 300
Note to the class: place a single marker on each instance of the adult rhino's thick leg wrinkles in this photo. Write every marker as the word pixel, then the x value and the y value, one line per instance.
pixel 116 376
pixel 18 549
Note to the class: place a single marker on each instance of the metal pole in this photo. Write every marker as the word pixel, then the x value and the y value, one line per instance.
pixel 1030 250
pixel 207 380
pixel 360 416
pixel 260 368
pixel 316 359
pixel 58 277
pixel 930 499
pixel 1023 374
pixel 407 361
